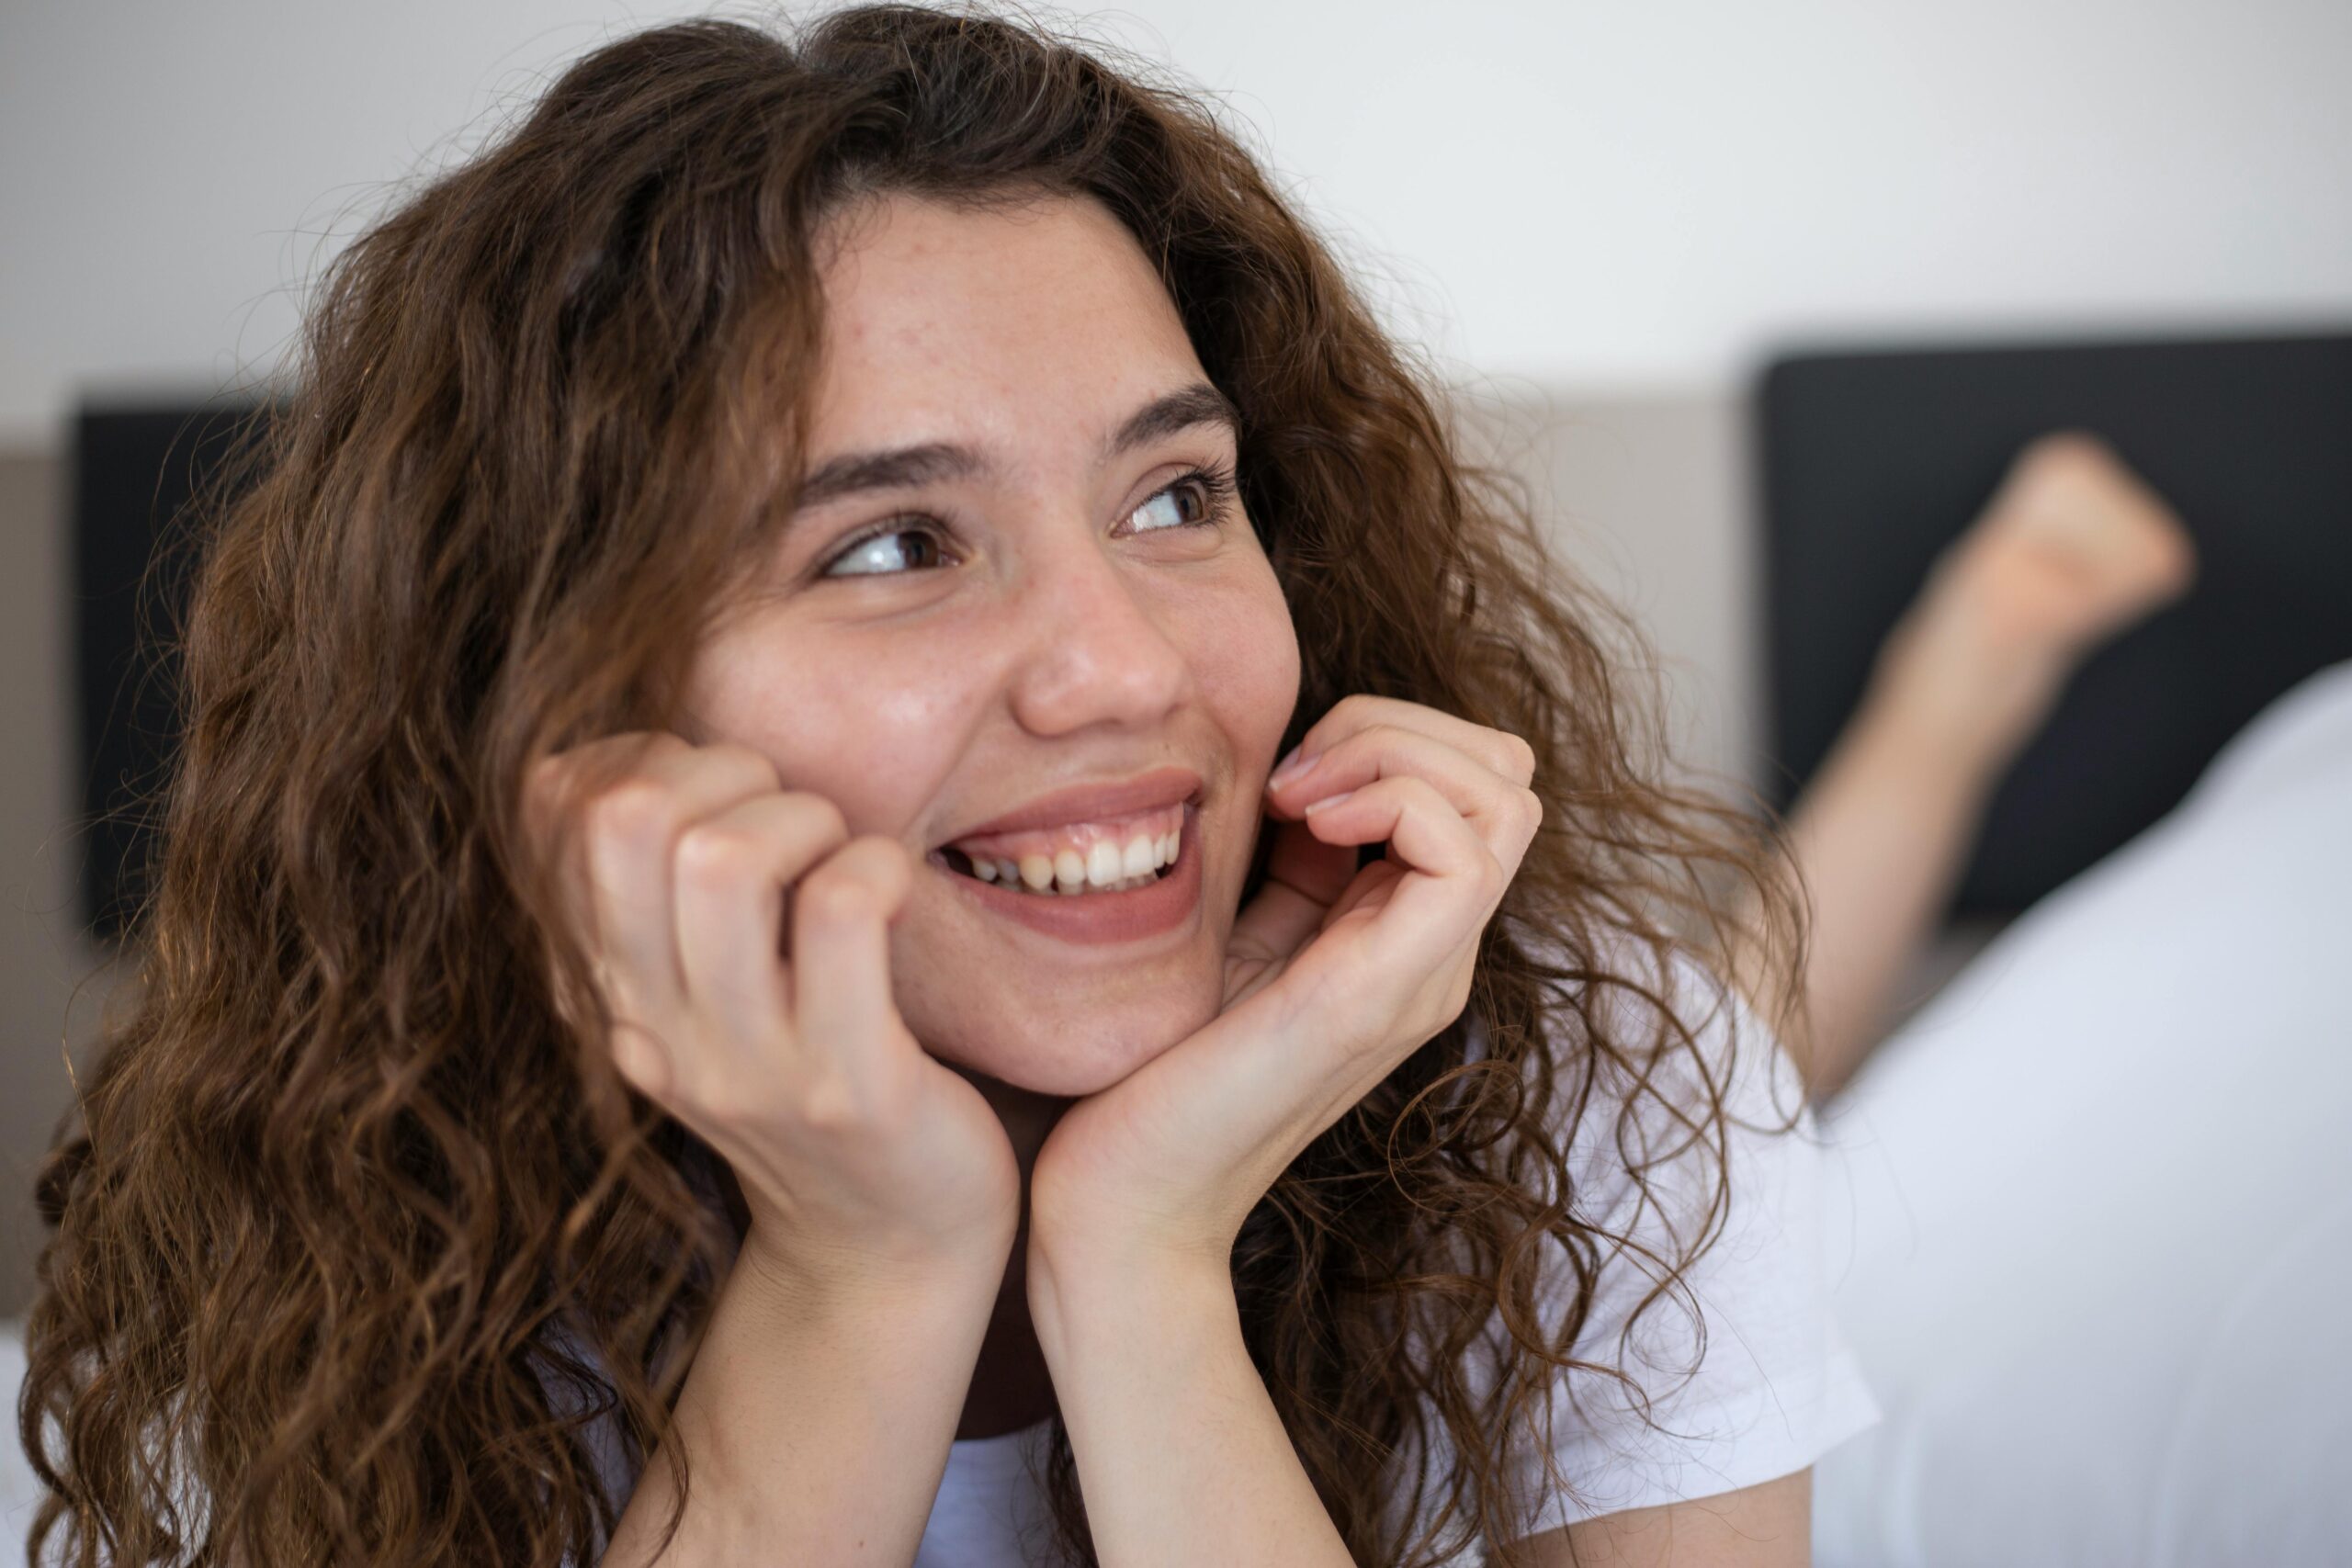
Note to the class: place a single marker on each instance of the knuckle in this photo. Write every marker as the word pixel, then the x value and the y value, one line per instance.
pixel 888 858
pixel 1343 718
pixel 732 1099
pixel 642 746
pixel 1522 755
pixel 831 1106
pixel 821 810
pixel 634 810
pixel 757 768
pixel 836 894
pixel 640 1059
pixel 716 852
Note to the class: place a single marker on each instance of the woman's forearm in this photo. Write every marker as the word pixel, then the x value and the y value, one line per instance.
pixel 1882 832
pixel 815 1425
pixel 1181 1453
pixel 2072 548
pixel 1881 836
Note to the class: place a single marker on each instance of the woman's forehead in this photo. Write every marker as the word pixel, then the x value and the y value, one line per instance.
pixel 1050 308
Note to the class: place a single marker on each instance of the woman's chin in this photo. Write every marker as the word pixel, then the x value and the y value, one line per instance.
pixel 1068 1067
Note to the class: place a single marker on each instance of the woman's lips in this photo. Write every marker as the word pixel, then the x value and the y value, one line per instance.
pixel 1101 917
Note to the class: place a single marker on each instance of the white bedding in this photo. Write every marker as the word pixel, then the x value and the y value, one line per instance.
pixel 2095 1202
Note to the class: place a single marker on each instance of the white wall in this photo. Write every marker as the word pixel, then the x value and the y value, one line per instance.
pixel 1590 196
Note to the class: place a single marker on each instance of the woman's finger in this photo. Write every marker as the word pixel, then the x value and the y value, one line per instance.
pixel 631 830
pixel 1375 989
pixel 1458 881
pixel 843 1004
pixel 733 870
pixel 1506 754
pixel 1303 878
pixel 1504 815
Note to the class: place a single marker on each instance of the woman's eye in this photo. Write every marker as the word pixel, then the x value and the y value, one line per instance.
pixel 1193 489
pixel 872 556
pixel 1191 500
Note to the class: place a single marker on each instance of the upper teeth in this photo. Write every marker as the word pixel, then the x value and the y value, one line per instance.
pixel 1082 858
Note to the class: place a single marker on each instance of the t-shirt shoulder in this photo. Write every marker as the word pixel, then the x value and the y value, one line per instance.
pixel 1735 1371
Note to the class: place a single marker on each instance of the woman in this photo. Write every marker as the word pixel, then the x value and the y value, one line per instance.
pixel 584 1067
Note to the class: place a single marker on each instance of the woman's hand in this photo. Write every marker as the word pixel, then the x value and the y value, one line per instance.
pixel 862 1160
pixel 1333 975
pixel 2072 548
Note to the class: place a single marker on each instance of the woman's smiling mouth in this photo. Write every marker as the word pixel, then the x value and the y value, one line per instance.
pixel 1090 895
pixel 1108 856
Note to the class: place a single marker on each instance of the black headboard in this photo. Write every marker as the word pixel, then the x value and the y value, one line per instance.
pixel 1871 463
pixel 135 468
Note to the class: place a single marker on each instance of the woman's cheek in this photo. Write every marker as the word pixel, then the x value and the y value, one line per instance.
pixel 1245 653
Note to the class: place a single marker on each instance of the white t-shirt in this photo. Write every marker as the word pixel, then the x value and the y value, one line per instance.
pixel 1764 1382
pixel 1774 1389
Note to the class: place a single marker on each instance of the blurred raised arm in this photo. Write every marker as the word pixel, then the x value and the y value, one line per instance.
pixel 2072 548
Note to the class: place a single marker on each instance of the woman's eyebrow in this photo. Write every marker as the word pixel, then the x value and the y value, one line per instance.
pixel 907 468
pixel 1184 409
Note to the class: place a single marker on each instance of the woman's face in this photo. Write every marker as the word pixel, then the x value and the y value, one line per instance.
pixel 949 640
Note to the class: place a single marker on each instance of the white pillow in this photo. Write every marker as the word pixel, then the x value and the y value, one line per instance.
pixel 2090 1209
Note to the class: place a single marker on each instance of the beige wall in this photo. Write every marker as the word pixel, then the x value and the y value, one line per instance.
pixel 1645 495
pixel 1647 499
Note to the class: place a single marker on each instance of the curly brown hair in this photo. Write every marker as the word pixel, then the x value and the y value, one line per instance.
pixel 357 1237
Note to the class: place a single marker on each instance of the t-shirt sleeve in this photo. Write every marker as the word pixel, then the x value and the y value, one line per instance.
pixel 1761 1382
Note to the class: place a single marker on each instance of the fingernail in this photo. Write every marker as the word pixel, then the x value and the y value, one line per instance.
pixel 1314 805
pixel 1289 768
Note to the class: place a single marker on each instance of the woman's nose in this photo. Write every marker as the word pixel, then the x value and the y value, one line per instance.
pixel 1096 650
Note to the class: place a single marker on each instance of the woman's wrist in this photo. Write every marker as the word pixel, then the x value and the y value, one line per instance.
pixel 806 1281
pixel 1164 1407
pixel 1082 1288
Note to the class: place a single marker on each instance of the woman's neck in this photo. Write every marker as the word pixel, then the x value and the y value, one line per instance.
pixel 1010 1386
